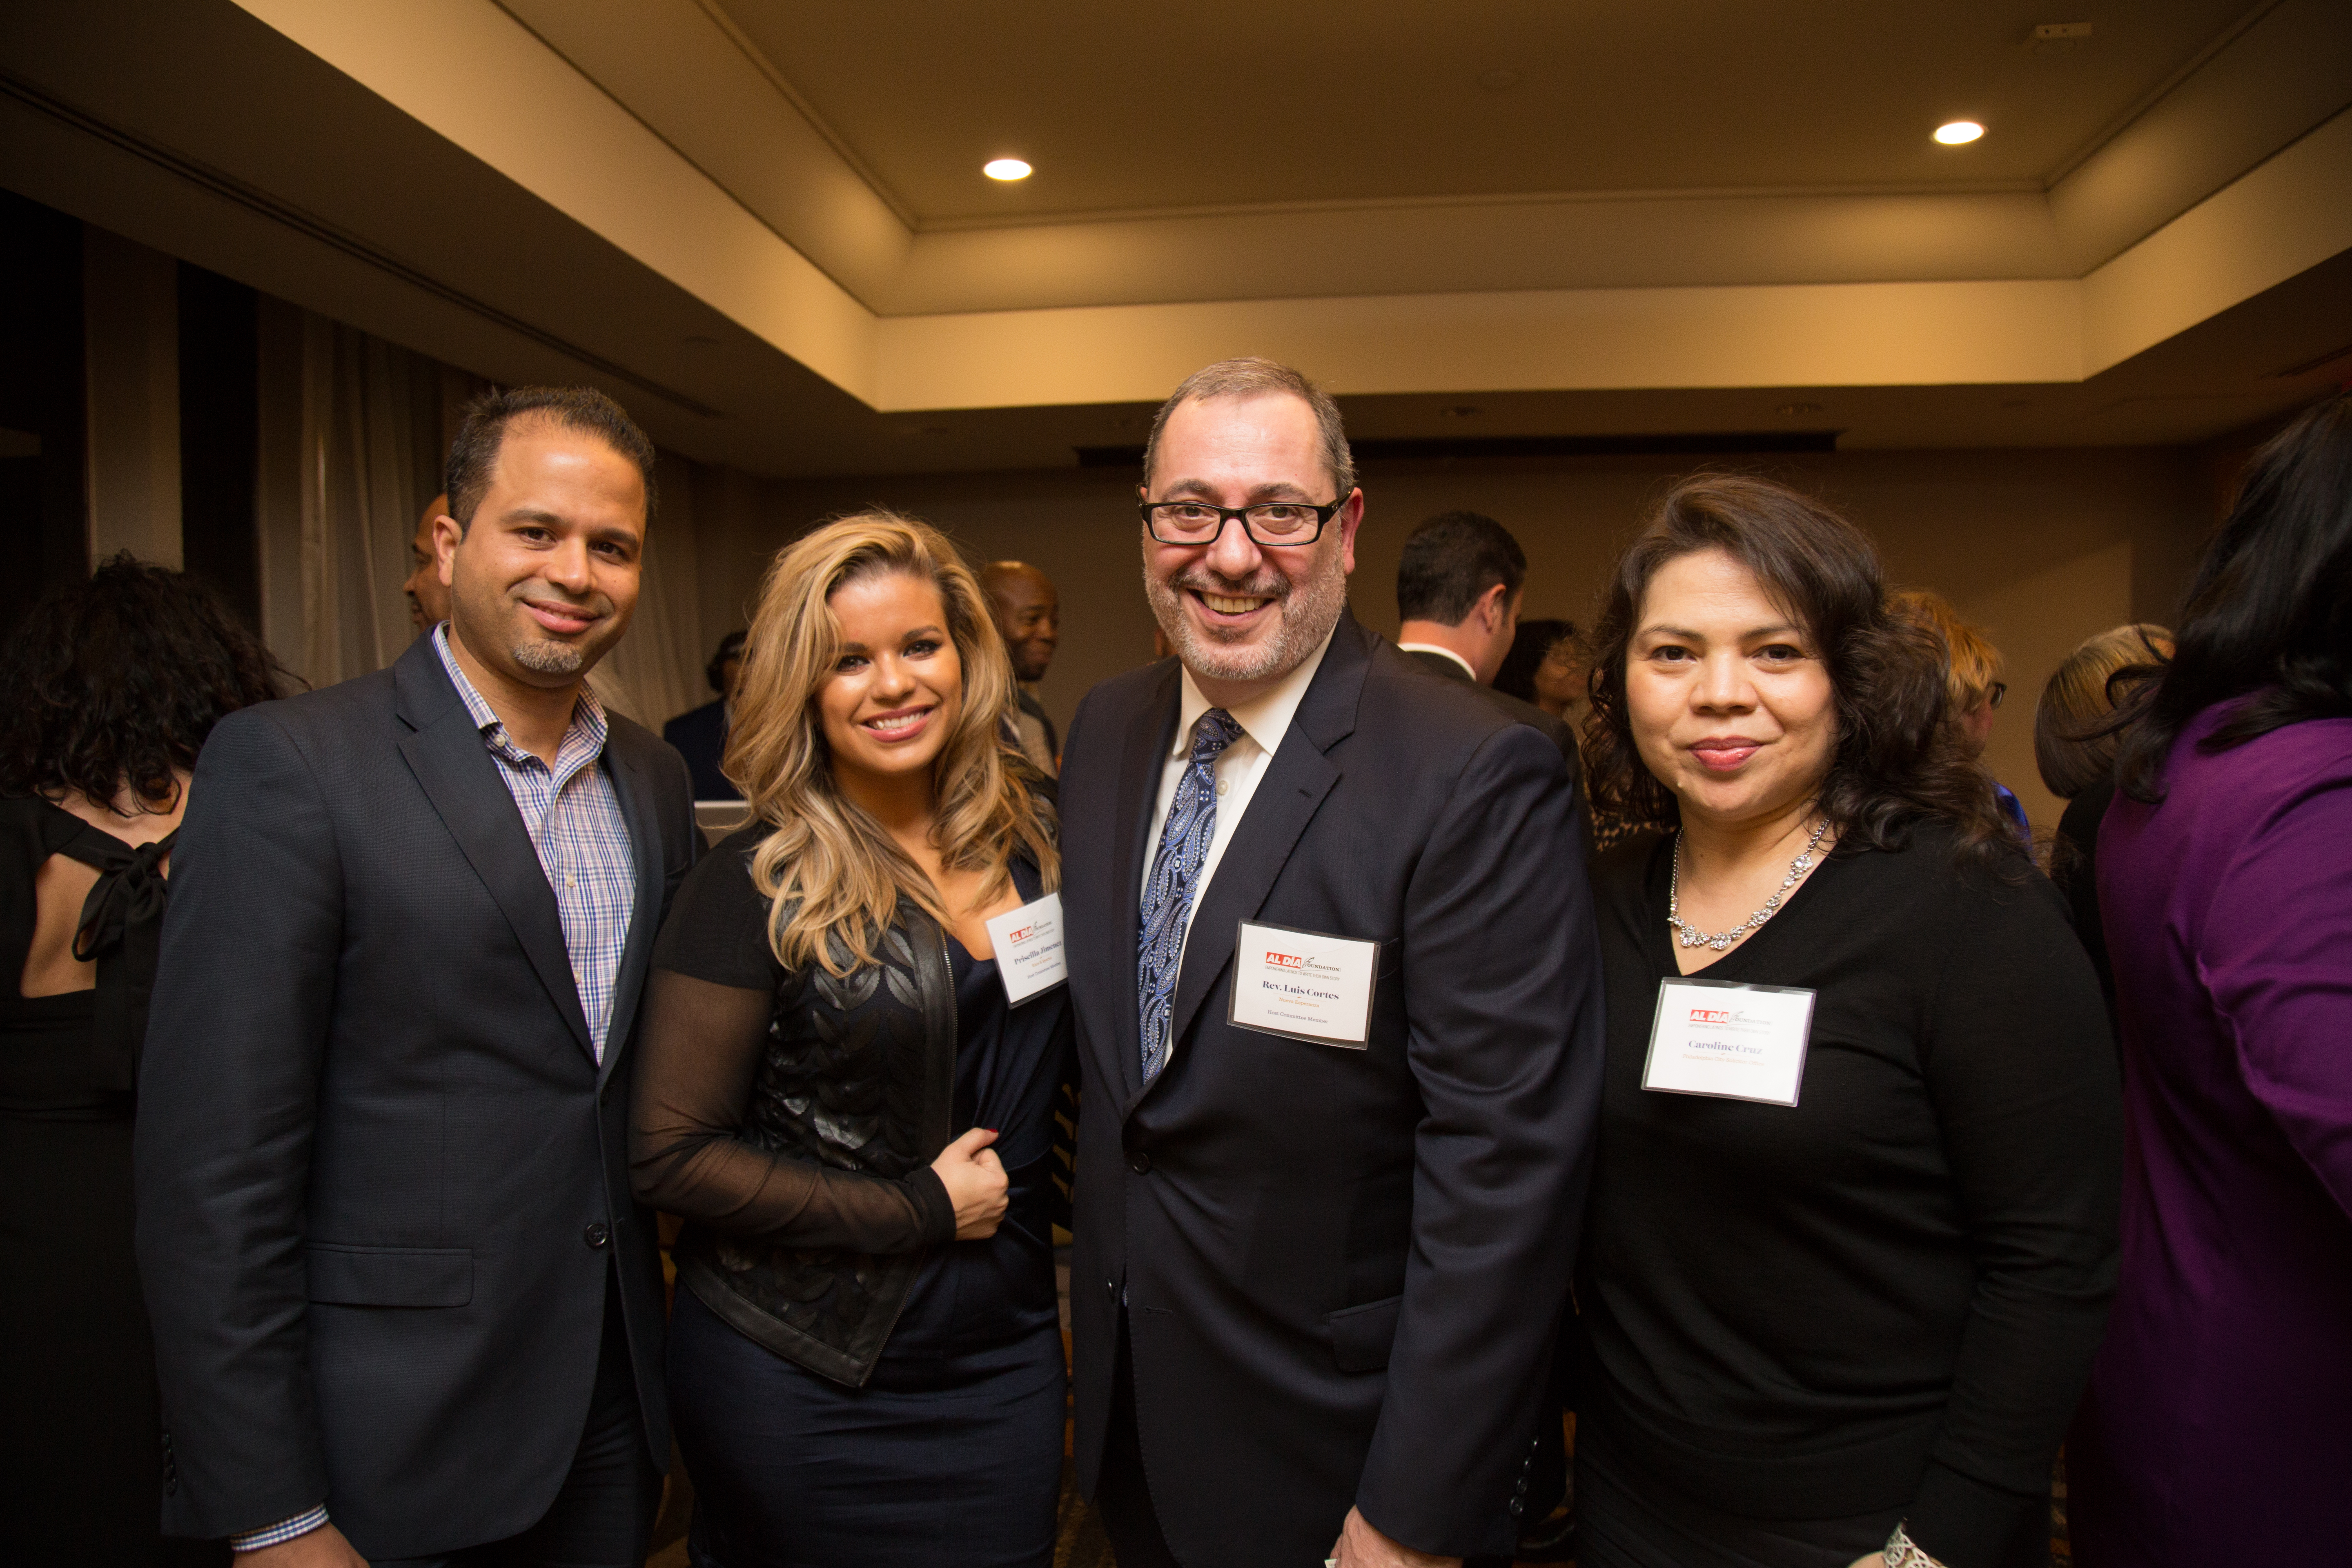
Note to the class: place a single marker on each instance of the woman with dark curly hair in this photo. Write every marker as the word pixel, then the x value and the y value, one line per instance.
pixel 1852 1224
pixel 112 683
pixel 2219 1428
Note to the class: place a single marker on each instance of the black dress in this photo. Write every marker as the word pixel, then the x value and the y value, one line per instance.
pixel 1805 1323
pixel 80 1467
pixel 950 1450
pixel 2074 867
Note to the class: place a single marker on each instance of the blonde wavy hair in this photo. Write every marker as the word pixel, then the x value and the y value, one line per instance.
pixel 2074 746
pixel 1972 666
pixel 833 876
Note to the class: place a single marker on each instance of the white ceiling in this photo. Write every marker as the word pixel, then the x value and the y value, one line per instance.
pixel 645 194
pixel 1225 103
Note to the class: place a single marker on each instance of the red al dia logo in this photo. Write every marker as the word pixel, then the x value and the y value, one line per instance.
pixel 1021 935
pixel 1286 960
pixel 1709 1016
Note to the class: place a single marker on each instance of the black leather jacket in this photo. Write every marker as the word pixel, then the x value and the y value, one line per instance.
pixel 857 1075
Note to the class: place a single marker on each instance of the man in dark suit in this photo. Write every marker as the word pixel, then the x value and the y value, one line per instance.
pixel 700 733
pixel 1028 612
pixel 1460 583
pixel 1318 1264
pixel 406 1310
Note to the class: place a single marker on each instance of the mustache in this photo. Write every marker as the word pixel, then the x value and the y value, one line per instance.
pixel 595 605
pixel 1268 584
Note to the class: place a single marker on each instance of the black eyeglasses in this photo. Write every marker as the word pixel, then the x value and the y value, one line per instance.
pixel 1995 693
pixel 1278 525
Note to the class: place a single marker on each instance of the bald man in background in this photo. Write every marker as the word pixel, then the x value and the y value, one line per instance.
pixel 1029 613
pixel 428 599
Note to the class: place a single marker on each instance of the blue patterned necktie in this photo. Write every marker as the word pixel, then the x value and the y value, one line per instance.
pixel 1175 873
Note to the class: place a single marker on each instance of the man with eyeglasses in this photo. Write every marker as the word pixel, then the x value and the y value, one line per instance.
pixel 1333 962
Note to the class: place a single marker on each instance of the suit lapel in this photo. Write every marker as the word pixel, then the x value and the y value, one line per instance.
pixel 1286 800
pixel 447 754
pixel 1143 756
pixel 641 813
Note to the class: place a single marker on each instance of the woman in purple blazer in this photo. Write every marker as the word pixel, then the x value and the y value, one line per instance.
pixel 2218 1424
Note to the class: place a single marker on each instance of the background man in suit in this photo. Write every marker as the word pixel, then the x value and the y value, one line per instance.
pixel 1315 1285
pixel 1028 612
pixel 700 733
pixel 396 1275
pixel 428 596
pixel 1460 582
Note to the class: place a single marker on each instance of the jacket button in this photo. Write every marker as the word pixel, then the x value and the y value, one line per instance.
pixel 1517 1508
pixel 1110 1288
pixel 596 1234
pixel 1139 1162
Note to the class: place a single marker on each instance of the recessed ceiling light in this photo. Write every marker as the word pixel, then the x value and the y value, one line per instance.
pixel 1014 169
pixel 1958 133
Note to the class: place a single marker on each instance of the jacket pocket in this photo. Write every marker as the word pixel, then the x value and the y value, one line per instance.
pixel 1360 1336
pixel 391 1276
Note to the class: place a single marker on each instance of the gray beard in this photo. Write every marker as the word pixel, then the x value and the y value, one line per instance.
pixel 1307 614
pixel 549 658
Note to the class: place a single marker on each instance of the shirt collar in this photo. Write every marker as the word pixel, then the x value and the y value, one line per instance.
pixel 1262 718
pixel 1432 647
pixel 588 723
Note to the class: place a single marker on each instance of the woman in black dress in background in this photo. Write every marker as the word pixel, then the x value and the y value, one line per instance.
pixel 836 1092
pixel 113 685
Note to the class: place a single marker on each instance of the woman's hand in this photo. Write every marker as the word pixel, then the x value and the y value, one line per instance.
pixel 974 1179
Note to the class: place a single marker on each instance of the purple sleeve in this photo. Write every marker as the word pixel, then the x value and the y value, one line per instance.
pixel 2276 955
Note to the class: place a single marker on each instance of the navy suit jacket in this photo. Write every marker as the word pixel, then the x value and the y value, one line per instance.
pixel 700 736
pixel 383 1179
pixel 1342 1270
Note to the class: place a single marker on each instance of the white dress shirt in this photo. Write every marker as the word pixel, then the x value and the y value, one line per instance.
pixel 1263 720
pixel 1432 647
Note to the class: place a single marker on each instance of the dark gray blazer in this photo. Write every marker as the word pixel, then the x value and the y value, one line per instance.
pixel 1526 713
pixel 382 1178
pixel 1343 1269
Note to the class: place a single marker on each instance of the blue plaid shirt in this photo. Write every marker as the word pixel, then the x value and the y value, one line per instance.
pixel 574 821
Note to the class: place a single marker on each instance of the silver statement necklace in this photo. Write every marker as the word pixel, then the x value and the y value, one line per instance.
pixel 1691 936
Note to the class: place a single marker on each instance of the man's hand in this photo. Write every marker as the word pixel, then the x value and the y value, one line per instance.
pixel 1361 1546
pixel 322 1547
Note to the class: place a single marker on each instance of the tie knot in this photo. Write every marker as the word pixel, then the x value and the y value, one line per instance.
pixel 1215 731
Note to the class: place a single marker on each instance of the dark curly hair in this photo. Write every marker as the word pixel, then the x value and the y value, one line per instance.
pixel 2269 612
pixel 118 678
pixel 1896 765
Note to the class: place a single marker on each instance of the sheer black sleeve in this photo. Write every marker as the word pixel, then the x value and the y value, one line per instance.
pixel 707 1005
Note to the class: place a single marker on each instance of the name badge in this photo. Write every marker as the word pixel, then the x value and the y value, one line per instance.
pixel 1304 985
pixel 1031 956
pixel 1731 1041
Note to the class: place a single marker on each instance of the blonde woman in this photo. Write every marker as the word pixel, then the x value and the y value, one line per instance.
pixel 2075 738
pixel 837 1093
pixel 1973 687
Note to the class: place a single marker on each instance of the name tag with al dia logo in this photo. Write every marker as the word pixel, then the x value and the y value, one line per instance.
pixel 1733 1042
pixel 1304 985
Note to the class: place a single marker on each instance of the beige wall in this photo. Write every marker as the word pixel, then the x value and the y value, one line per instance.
pixel 2041 547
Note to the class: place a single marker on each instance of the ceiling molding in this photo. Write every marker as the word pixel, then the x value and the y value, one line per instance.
pixel 311 226
pixel 1454 204
pixel 807 111
pixel 2159 92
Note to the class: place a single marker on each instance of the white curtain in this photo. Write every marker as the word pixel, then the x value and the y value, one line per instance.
pixel 370 427
pixel 656 672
